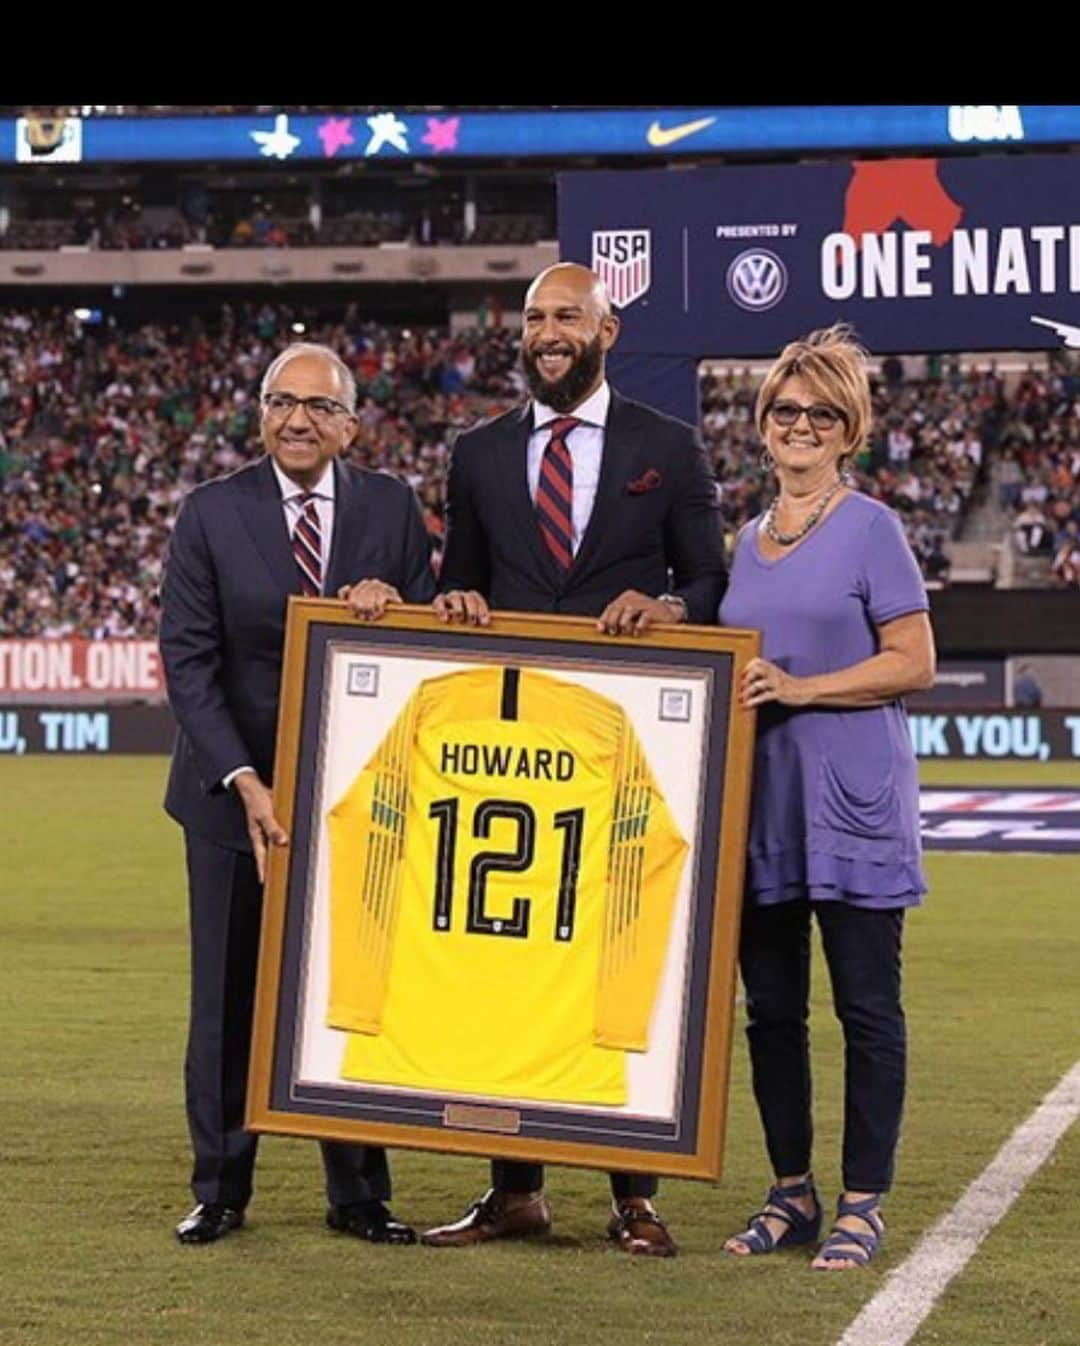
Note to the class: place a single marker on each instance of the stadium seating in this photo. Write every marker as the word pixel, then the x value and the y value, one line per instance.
pixel 166 228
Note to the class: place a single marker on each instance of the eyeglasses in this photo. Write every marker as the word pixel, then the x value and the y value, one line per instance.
pixel 281 405
pixel 820 416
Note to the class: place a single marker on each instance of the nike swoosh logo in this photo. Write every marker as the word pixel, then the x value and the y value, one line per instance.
pixel 659 138
pixel 1070 336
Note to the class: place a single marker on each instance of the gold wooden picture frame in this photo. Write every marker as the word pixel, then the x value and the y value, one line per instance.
pixel 469 980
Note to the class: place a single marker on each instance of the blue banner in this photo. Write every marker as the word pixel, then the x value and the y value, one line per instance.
pixel 660 132
pixel 918 254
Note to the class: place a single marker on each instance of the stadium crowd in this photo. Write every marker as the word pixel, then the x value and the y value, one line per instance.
pixel 102 431
pixel 1039 472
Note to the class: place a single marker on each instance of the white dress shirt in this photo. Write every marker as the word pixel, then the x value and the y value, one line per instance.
pixel 586 445
pixel 291 496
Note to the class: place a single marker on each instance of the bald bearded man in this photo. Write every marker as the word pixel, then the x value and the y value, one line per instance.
pixel 584 502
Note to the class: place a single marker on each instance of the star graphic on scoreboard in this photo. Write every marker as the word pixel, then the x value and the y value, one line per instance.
pixel 386 129
pixel 278 143
pixel 442 133
pixel 334 133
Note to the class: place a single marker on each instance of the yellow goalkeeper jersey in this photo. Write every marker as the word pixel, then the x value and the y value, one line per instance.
pixel 503 875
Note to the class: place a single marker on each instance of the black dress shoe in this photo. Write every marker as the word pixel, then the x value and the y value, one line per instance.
pixel 208 1222
pixel 369 1220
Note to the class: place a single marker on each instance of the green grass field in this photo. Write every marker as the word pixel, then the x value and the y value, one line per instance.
pixel 94 1146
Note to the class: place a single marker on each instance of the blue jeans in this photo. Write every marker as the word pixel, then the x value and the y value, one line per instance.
pixel 862 949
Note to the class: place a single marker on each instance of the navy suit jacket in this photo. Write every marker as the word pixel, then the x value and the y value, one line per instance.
pixel 655 510
pixel 228 576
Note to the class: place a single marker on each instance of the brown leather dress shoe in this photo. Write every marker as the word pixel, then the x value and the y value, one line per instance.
pixel 497 1215
pixel 636 1228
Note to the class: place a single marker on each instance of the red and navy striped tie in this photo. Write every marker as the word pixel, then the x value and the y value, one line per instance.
pixel 555 493
pixel 307 547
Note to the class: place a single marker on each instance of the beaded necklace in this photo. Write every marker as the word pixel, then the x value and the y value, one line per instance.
pixel 786 539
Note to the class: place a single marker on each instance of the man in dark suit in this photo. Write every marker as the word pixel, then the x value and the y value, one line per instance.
pixel 579 502
pixel 297 521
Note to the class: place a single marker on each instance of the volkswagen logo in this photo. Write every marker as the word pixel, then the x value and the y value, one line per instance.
pixel 757 279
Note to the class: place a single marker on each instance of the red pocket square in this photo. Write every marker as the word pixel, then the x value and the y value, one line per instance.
pixel 648 481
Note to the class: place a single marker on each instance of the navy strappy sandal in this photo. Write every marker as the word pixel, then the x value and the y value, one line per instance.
pixel 801 1228
pixel 852 1245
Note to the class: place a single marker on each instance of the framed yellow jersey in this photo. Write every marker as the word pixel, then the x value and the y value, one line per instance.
pixel 508 845
pixel 507 918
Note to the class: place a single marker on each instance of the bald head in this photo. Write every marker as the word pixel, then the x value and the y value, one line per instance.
pixel 575 280
pixel 567 329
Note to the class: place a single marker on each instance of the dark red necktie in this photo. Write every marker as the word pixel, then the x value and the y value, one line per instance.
pixel 307 548
pixel 555 493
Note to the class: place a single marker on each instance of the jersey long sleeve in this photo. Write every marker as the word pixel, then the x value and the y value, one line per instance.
pixel 367 840
pixel 503 877
pixel 645 858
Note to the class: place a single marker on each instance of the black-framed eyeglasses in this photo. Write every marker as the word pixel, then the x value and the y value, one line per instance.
pixel 820 415
pixel 281 405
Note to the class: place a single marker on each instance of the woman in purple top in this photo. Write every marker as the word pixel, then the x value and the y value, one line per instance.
pixel 828 578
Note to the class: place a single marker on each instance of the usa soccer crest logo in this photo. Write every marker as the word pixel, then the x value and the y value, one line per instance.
pixel 622 258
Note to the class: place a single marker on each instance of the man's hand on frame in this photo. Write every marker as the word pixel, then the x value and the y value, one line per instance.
pixel 368 599
pixel 465 606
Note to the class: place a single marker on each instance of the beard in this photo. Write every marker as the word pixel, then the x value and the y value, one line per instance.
pixel 566 393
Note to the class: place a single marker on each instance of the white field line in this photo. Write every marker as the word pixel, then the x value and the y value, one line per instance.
pixel 895 1313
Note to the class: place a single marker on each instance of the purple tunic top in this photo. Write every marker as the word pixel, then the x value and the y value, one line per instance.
pixel 835 805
